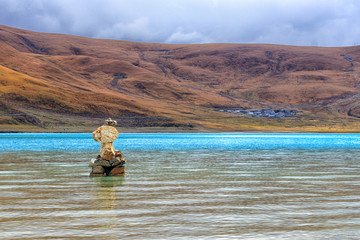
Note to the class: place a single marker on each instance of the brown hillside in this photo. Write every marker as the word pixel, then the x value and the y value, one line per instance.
pixel 66 83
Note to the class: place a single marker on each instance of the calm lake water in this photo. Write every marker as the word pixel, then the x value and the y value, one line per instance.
pixel 182 186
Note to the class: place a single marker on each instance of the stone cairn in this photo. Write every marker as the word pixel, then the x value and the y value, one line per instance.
pixel 110 161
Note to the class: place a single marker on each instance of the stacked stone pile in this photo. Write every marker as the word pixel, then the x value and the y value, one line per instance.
pixel 102 167
pixel 110 161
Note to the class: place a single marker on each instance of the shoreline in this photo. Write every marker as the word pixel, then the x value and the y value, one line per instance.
pixel 195 132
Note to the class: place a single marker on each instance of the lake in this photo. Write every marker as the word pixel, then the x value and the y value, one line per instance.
pixel 182 186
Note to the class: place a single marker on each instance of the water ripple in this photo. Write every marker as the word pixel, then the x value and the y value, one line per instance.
pixel 198 194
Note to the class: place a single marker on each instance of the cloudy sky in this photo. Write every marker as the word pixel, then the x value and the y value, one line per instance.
pixel 292 22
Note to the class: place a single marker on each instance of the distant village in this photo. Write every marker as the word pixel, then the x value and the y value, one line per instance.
pixel 269 113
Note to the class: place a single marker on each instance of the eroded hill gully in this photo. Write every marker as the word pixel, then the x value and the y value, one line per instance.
pixel 33 47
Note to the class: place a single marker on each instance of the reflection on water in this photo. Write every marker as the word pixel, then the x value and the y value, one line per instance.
pixel 105 193
pixel 281 193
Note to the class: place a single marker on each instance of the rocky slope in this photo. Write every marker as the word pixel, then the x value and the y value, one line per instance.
pixel 52 82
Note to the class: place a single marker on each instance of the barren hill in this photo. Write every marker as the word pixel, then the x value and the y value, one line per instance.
pixel 53 82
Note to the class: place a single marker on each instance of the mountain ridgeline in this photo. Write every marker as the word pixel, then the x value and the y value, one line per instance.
pixel 54 82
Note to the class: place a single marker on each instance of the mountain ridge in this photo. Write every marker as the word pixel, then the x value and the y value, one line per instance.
pixel 174 87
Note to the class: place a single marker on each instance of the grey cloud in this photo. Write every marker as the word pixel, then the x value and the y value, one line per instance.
pixel 296 22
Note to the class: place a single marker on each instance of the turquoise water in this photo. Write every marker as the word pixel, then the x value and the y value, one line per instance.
pixel 181 186
pixel 179 141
